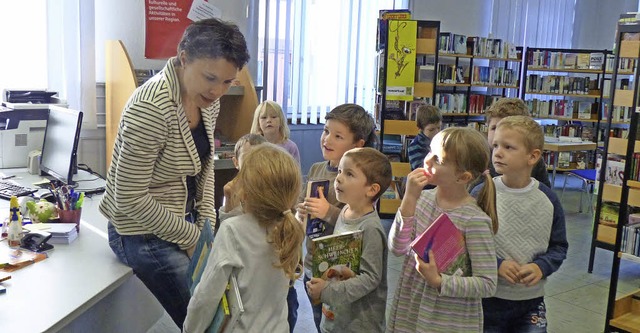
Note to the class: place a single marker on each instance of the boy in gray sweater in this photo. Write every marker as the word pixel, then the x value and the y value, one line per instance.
pixel 358 303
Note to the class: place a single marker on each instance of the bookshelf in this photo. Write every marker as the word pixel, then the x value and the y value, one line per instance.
pixel 473 72
pixel 407 59
pixel 564 89
pixel 624 313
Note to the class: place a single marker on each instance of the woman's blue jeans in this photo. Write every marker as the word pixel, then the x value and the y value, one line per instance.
pixel 160 265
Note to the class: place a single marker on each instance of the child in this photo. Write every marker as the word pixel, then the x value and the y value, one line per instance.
pixel 445 303
pixel 269 121
pixel 232 207
pixel 359 303
pixel 506 107
pixel 531 242
pixel 261 247
pixel 243 146
pixel 347 126
pixel 429 121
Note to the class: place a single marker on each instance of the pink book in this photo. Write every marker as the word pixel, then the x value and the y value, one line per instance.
pixel 448 245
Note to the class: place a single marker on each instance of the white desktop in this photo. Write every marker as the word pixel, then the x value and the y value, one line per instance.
pixel 81 287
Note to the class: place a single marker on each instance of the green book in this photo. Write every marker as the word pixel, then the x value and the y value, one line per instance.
pixel 337 256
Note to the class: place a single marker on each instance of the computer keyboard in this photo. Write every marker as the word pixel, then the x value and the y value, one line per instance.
pixel 9 188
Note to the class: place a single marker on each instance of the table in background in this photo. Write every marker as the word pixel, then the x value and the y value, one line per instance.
pixel 557 147
pixel 81 287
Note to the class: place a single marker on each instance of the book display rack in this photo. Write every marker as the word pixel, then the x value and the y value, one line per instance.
pixel 614 228
pixel 407 59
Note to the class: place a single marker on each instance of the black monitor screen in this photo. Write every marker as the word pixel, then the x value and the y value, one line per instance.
pixel 60 146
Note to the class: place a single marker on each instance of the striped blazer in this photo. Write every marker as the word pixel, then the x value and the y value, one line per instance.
pixel 152 155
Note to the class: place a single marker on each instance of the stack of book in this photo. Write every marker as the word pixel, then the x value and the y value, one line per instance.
pixel 61 233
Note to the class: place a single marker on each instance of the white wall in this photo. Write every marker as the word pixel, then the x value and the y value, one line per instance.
pixel 124 20
pixel 466 17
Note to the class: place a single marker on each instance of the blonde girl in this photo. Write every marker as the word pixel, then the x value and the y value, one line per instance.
pixel 269 121
pixel 425 300
pixel 261 247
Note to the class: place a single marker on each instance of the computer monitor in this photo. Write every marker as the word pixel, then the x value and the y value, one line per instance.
pixel 61 136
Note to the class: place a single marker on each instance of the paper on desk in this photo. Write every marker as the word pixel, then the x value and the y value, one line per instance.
pixel 53 228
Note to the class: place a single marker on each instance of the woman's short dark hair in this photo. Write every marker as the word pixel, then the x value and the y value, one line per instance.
pixel 214 38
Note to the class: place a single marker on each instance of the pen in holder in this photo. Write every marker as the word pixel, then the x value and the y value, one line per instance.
pixel 70 206
pixel 70 216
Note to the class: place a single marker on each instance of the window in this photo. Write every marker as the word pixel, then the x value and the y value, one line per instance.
pixel 538 23
pixel 315 55
pixel 23 62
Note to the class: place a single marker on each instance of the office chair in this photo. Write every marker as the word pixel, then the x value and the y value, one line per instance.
pixel 588 177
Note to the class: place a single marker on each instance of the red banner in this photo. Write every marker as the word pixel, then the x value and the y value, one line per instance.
pixel 165 24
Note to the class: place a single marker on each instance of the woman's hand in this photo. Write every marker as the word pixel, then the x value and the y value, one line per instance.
pixel 191 250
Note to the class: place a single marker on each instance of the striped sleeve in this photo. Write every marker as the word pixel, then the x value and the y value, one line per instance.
pixel 143 132
pixel 482 253
pixel 401 234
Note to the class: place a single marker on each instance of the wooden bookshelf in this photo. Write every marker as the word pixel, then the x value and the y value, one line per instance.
pixel 426 49
pixel 543 63
pixel 626 313
pixel 622 313
pixel 469 87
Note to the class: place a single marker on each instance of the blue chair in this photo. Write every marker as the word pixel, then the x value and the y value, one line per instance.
pixel 588 178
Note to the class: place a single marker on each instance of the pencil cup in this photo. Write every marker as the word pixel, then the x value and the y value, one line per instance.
pixel 70 216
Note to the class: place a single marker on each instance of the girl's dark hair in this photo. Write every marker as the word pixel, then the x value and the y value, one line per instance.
pixel 214 38
pixel 358 120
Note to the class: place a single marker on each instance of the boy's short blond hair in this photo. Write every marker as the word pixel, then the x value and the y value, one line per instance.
pixel 531 131
pixel 375 166
pixel 427 115
pixel 505 107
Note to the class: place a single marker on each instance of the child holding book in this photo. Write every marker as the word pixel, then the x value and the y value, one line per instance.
pixel 358 304
pixel 260 247
pixel 426 300
pixel 270 122
pixel 531 243
pixel 429 121
pixel 347 126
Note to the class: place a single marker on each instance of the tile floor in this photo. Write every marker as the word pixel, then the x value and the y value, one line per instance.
pixel 576 300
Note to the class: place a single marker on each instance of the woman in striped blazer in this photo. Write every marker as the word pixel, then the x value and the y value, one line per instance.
pixel 160 182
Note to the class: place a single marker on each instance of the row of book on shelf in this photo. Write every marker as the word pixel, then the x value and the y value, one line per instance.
pixel 450 73
pixel 457 102
pixel 630 241
pixel 494 76
pixel 543 59
pixel 561 84
pixel 565 60
pixel 567 159
pixel 452 43
pixel 563 108
pixel 482 75
pixel 446 102
pixel 567 131
pixel 614 173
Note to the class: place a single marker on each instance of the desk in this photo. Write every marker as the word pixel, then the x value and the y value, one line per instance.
pixel 557 147
pixel 81 287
